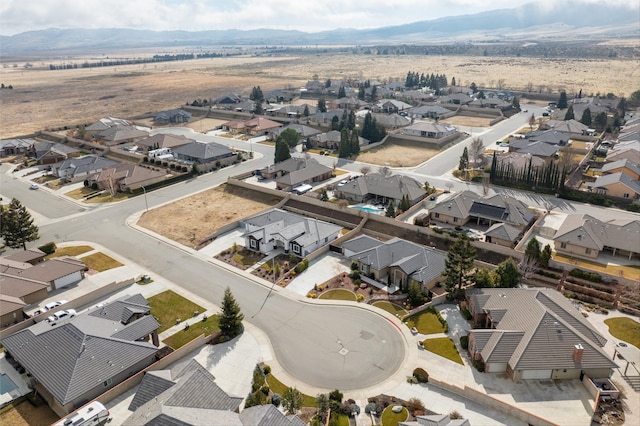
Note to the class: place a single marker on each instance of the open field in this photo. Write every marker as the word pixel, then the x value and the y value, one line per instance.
pixel 42 98
pixel 206 211
pixel 397 154
pixel 463 120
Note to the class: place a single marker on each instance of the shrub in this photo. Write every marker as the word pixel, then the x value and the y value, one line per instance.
pixel 276 399
pixel 421 375
pixel 336 395
pixel 265 390
pixel 354 266
pixel 48 248
pixel 266 370
pixel 359 297
pixel 454 415
pixel 415 404
pixel 479 365
pixel 466 314
pixel 464 342
pixel 412 380
pixel 355 275
pixel 586 275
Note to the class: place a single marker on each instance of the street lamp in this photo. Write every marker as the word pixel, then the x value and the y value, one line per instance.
pixel 146 203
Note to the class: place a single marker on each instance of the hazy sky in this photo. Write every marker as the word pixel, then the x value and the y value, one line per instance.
pixel 18 16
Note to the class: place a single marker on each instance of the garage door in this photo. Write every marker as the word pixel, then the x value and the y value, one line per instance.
pixel 536 374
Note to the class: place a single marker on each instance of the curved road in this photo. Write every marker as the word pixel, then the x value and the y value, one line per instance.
pixel 326 346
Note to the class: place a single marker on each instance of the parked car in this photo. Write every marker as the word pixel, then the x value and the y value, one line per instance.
pixel 52 305
pixel 69 313
pixel 342 183
pixel 93 414
pixel 33 186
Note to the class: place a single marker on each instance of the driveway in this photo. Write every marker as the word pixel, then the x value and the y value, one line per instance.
pixel 319 271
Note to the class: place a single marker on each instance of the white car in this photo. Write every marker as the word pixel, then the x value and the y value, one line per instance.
pixel 342 183
pixel 33 186
pixel 52 305
pixel 69 313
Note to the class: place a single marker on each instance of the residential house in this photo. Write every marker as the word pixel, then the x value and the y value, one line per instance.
pixel 519 160
pixel 325 118
pixel 78 168
pixel 228 100
pixel 565 126
pixel 296 171
pixel 390 121
pixel 585 236
pixel 629 150
pixel 11 310
pixel 51 152
pixel 31 256
pixel 118 135
pixel 234 126
pixel 502 234
pixel 77 359
pixel 293 233
pixel 278 96
pixel 104 124
pixel 260 126
pixel 172 116
pixel 456 99
pixel 162 141
pixel 332 139
pixel 202 153
pixel 9 147
pixel 618 185
pixel 535 148
pixel 433 111
pixel 625 166
pixel 125 178
pixel 466 206
pixel 54 273
pixel 245 106
pixel 268 415
pixel 303 131
pixel 291 111
pixel 417 96
pixel 381 189
pixel 186 394
pixel 534 333
pixel 495 103
pixel 397 262
pixel 348 103
pixel 430 130
pixel 390 106
pixel 436 420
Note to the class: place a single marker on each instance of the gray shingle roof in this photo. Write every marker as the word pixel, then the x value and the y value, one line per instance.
pixel 624 163
pixel 137 329
pixel 151 386
pixel 203 151
pixel 620 177
pixel 587 231
pixel 306 169
pixel 360 243
pixel 123 309
pixel 374 184
pixel 536 329
pixel 503 231
pixel 82 165
pixel 266 415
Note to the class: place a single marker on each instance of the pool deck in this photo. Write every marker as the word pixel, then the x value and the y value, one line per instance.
pixel 21 385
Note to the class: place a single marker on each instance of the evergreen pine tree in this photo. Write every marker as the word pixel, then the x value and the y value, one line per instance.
pixel 282 151
pixel 343 150
pixel 16 225
pixel 322 105
pixel 230 321
pixel 355 142
pixel 391 211
pixel 569 115
pixel 459 263
pixel 562 101
pixel 464 159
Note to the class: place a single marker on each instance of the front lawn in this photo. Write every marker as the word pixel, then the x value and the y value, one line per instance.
pixel 69 251
pixel 625 329
pixel 278 387
pixel 100 262
pixel 392 308
pixel 338 294
pixel 389 418
pixel 425 323
pixel 182 337
pixel 444 347
pixel 169 306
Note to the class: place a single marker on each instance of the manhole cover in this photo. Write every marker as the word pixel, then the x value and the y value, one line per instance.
pixel 343 351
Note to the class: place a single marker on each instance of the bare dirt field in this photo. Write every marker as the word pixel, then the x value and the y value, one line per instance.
pixel 398 154
pixel 25 414
pixel 463 120
pixel 42 98
pixel 206 212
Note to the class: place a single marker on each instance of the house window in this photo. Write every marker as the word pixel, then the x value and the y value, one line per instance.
pixel 252 243
pixel 563 245
pixel 455 219
pixel 295 248
pixel 587 251
pixel 437 215
pixel 363 267
pixel 107 382
pixel 626 195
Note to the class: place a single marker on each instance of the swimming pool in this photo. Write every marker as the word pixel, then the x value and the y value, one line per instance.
pixel 369 209
pixel 6 384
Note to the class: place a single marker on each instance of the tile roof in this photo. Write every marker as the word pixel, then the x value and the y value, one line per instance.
pixel 301 129
pixel 418 262
pixel 53 269
pixel 164 140
pixel 620 177
pixel 123 309
pixel 203 151
pixel 16 286
pixel 306 169
pixel 82 165
pixel 118 134
pixel 503 231
pixel 535 329
pixel 10 304
pixel 429 126
pixel 267 415
pixel 76 355
pixel 360 243
pixel 586 231
pixel 26 255
pixel 107 122
pixel 16 143
pixel 623 163
pixel 261 123
pixel 395 186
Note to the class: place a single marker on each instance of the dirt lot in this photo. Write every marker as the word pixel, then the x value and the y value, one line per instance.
pixel 25 414
pixel 206 212
pixel 398 154
pixel 42 98
pixel 462 120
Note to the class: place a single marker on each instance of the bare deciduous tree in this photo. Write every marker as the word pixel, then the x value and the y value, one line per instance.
pixel 530 86
pixel 500 84
pixel 476 150
pixel 364 170
pixel 385 171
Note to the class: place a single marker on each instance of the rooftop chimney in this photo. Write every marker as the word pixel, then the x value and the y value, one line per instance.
pixel 578 350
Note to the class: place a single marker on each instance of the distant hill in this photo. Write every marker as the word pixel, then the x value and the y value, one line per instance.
pixel 561 19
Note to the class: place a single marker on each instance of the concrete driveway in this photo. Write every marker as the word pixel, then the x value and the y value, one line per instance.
pixel 319 271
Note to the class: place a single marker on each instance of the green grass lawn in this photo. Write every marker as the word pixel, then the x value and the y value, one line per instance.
pixel 340 419
pixel 625 329
pixel 183 337
pixel 444 347
pixel 69 251
pixel 389 418
pixel 339 294
pixel 168 306
pixel 392 308
pixel 100 262
pixel 426 323
pixel 278 387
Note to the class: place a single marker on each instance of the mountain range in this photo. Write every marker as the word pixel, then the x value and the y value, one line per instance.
pixel 532 21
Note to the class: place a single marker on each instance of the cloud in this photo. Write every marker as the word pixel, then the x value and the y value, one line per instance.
pixel 195 15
